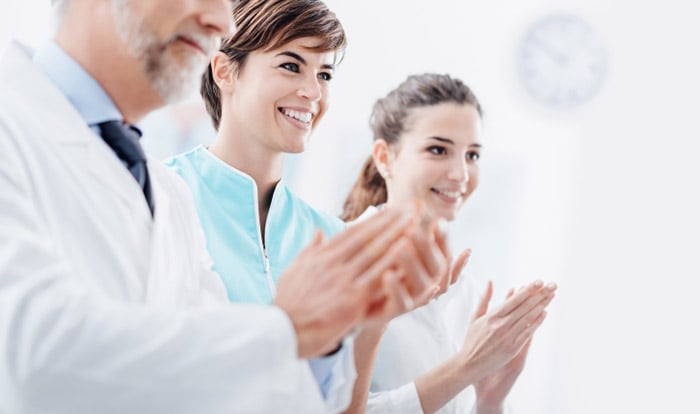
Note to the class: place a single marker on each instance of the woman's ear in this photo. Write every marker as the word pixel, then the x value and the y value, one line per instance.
pixel 223 72
pixel 382 154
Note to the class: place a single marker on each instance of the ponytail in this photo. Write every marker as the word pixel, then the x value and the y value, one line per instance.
pixel 369 190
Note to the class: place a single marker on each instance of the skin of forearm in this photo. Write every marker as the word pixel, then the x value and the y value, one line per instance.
pixel 366 349
pixel 438 386
pixel 488 410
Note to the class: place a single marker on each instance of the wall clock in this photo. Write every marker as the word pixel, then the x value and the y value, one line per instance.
pixel 561 61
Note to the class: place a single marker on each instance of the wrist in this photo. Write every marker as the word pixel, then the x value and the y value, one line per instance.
pixel 489 404
pixel 374 328
pixel 489 409
pixel 468 369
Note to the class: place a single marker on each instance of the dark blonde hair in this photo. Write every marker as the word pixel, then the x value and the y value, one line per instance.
pixel 390 118
pixel 269 24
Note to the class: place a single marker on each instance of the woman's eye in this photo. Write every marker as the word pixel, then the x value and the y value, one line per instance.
pixel 437 150
pixel 292 67
pixel 325 76
pixel 473 156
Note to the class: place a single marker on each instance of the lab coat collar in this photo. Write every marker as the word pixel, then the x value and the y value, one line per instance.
pixel 63 124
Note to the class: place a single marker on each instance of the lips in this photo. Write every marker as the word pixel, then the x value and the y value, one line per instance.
pixel 198 42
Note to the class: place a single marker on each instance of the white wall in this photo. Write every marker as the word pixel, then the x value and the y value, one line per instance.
pixel 601 198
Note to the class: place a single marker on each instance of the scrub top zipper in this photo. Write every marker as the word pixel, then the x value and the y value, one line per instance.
pixel 268 274
pixel 265 257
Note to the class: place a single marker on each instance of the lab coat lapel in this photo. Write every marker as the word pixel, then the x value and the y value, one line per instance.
pixel 161 289
pixel 106 167
pixel 81 146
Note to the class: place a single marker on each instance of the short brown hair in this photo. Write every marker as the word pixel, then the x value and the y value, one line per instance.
pixel 269 24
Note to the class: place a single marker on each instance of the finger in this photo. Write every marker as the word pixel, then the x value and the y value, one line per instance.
pixel 526 347
pixel 515 301
pixel 436 292
pixel 371 278
pixel 416 277
pixel 318 238
pixel 361 252
pixel 519 359
pixel 399 295
pixel 446 278
pixel 427 251
pixel 312 247
pixel 529 330
pixel 528 318
pixel 459 264
pixel 394 300
pixel 377 292
pixel 484 302
pixel 359 234
pixel 539 300
pixel 427 296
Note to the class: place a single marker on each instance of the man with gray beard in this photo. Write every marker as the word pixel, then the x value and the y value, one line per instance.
pixel 107 300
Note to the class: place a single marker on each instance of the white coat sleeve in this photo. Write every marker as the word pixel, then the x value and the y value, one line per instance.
pixel 336 376
pixel 66 349
pixel 399 400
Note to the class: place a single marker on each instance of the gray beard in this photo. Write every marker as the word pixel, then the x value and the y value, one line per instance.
pixel 173 80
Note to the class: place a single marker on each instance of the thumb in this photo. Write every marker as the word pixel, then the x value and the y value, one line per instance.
pixel 318 238
pixel 484 303
pixel 459 264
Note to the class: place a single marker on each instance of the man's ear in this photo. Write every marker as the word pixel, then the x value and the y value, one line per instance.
pixel 223 71
pixel 383 156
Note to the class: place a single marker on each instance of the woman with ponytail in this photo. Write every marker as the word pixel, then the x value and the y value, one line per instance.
pixel 452 355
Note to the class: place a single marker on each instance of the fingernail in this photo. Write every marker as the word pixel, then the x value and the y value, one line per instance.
pixel 551 286
pixel 538 283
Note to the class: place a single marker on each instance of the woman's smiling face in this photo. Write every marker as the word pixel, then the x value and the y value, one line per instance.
pixel 436 159
pixel 280 95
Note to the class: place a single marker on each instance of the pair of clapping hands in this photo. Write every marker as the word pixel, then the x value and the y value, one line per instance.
pixel 374 271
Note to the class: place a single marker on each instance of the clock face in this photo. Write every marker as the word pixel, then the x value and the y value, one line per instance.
pixel 561 61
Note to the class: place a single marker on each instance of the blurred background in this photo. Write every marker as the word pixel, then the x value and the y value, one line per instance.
pixel 588 176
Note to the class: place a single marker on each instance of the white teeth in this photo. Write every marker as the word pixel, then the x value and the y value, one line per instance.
pixel 451 194
pixel 304 117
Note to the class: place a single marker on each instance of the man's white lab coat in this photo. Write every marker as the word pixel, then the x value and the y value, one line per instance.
pixel 97 299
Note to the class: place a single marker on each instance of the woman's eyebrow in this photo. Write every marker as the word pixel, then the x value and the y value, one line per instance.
pixel 298 57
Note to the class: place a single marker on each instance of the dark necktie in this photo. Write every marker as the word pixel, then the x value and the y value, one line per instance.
pixel 123 138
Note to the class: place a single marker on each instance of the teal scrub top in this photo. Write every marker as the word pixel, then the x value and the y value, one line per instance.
pixel 226 201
